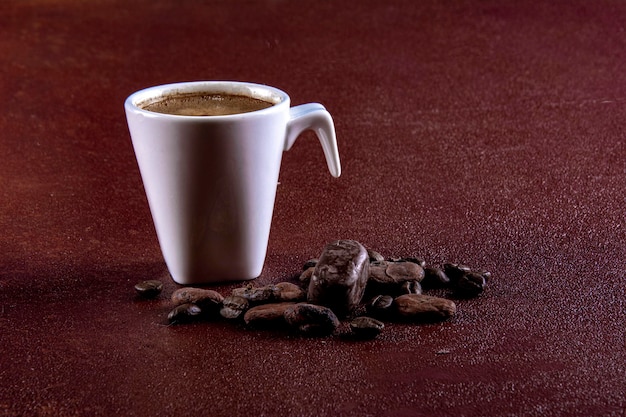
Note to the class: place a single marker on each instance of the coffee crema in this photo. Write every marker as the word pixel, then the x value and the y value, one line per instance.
pixel 205 104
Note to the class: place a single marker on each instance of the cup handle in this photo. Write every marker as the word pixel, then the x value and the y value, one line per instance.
pixel 315 117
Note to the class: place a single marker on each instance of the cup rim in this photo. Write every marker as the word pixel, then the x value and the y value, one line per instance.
pixel 254 90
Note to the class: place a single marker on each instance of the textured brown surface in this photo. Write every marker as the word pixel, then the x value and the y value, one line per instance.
pixel 486 132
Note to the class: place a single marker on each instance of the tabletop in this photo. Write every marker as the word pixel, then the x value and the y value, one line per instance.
pixel 488 133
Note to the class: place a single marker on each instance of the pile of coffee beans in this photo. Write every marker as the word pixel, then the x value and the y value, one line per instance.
pixel 348 291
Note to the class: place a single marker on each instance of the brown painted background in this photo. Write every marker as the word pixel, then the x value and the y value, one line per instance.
pixel 484 132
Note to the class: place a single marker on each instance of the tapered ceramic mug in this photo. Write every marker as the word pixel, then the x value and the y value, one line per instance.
pixel 211 180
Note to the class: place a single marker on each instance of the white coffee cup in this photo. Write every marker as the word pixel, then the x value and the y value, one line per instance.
pixel 211 180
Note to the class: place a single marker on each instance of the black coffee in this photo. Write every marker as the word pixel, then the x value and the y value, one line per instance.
pixel 203 104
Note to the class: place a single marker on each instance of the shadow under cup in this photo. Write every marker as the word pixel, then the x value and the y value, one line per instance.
pixel 210 180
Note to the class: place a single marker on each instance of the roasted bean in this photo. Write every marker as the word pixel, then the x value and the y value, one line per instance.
pixel 381 302
pixel 470 284
pixel 289 292
pixel 419 307
pixel 233 307
pixel 311 319
pixel 392 273
pixel 434 278
pixel 204 298
pixel 305 276
pixel 375 256
pixel 411 287
pixel 149 289
pixel 366 327
pixel 466 282
pixel 266 315
pixel 389 277
pixel 310 264
pixel 455 271
pixel 184 313
pixel 380 307
pixel 257 295
pixel 340 277
pixel 404 271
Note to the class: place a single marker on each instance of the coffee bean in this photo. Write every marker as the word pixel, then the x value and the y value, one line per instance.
pixel 267 315
pixel 392 273
pixel 470 284
pixel 340 277
pixel 204 298
pixel 405 271
pixel 289 292
pixel 455 271
pixel 411 287
pixel 434 278
pixel 311 319
pixel 184 313
pixel 381 302
pixel 233 307
pixel 257 295
pixel 380 306
pixel 305 276
pixel 419 307
pixel 149 289
pixel 378 274
pixel 310 264
pixel 466 282
pixel 366 327
pixel 375 256
pixel 389 277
